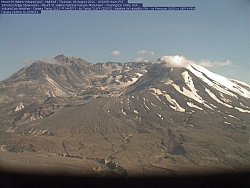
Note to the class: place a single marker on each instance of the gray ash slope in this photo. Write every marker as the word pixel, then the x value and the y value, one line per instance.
pixel 139 118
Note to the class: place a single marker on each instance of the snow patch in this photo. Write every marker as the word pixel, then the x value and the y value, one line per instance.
pixel 19 107
pixel 225 99
pixel 135 111
pixel 219 82
pixel 210 83
pixel 144 101
pixel 153 104
pixel 186 77
pixel 156 93
pixel 242 83
pixel 121 84
pixel 189 82
pixel 124 112
pixel 172 101
pixel 212 95
pixel 159 115
pixel 190 94
pixel 139 74
pixel 233 117
pixel 213 105
pixel 242 110
pixel 175 104
pixel 194 106
pixel 244 105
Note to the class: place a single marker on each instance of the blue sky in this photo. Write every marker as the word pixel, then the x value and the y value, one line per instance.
pixel 215 35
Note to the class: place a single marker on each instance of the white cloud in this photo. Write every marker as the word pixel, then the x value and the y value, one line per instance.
pixel 45 60
pixel 50 61
pixel 175 61
pixel 140 59
pixel 181 61
pixel 207 63
pixel 146 52
pixel 116 53
pixel 29 60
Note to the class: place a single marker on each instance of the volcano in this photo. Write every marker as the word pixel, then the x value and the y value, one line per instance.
pixel 167 117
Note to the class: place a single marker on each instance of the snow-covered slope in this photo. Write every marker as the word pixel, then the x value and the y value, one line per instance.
pixel 184 83
pixel 221 83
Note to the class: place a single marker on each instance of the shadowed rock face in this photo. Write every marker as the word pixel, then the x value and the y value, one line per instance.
pixel 123 119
